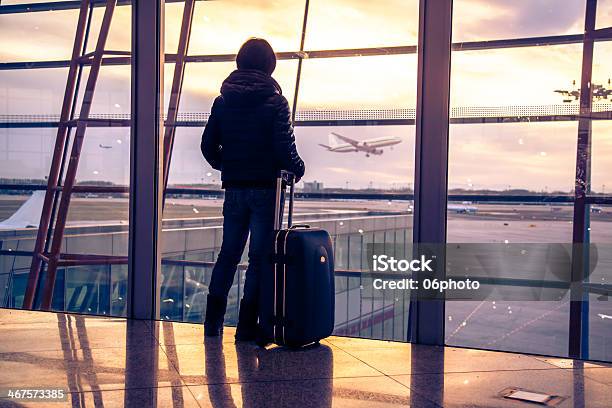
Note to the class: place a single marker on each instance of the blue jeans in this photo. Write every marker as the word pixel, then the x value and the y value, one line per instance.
pixel 245 210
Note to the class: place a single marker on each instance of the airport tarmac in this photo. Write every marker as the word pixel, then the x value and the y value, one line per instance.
pixel 534 326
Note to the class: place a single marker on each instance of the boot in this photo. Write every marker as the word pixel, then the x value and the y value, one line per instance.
pixel 247 321
pixel 215 311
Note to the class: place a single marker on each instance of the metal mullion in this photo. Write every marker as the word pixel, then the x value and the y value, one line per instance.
pixel 578 316
pixel 431 156
pixel 600 35
pixel 300 59
pixel 146 159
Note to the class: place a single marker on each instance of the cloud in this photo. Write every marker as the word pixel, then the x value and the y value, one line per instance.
pixel 475 20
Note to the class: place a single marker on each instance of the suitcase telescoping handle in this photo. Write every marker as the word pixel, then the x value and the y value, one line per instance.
pixel 284 178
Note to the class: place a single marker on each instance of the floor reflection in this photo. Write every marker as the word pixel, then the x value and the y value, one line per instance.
pixel 426 386
pixel 105 362
pixel 219 389
pixel 256 366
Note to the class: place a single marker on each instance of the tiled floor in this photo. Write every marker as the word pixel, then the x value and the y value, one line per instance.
pixel 114 362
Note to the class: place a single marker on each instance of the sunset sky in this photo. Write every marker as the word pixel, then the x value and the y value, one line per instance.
pixel 537 156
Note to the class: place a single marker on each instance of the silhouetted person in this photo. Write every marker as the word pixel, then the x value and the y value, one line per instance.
pixel 249 138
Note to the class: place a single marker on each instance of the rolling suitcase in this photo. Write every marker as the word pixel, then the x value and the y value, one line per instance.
pixel 296 298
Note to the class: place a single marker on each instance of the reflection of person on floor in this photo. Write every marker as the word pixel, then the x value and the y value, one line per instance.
pixel 249 138
pixel 277 377
pixel 219 389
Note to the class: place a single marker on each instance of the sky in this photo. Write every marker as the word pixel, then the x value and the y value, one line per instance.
pixel 536 156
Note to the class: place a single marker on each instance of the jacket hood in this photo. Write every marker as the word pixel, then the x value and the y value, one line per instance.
pixel 248 85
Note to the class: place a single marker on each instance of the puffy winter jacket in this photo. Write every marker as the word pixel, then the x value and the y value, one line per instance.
pixel 249 136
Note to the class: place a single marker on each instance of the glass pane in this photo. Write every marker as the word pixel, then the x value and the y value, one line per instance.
pixel 361 24
pixel 173 14
pixel 600 332
pixel 600 277
pixel 32 92
pixel 538 327
pixel 601 134
pixel 13 275
pixel 601 176
pixel 604 13
pixel 602 76
pixel 528 158
pixel 87 290
pixel 96 222
pixel 188 167
pixel 515 77
pixel 339 83
pixel 104 156
pixel 475 20
pixel 25 154
pixel 112 94
pixel 512 135
pixel 40 36
pixel 235 21
pixel 600 236
pixel 118 290
pixel 120 33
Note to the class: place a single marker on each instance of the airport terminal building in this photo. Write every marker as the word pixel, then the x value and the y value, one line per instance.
pixel 479 131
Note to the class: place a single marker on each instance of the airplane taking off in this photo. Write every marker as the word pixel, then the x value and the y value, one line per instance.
pixel 369 146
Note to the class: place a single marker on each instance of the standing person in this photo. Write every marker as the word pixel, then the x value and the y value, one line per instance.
pixel 249 138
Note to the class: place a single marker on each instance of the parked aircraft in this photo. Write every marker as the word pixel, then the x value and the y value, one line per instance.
pixel 28 215
pixel 463 208
pixel 368 146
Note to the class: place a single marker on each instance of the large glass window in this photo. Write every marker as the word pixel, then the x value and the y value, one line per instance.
pixel 512 136
pixel 96 222
pixel 336 96
pixel 512 162
pixel 515 120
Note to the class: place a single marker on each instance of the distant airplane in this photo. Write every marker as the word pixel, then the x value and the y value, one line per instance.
pixel 463 208
pixel 105 146
pixel 599 92
pixel 369 146
pixel 604 316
